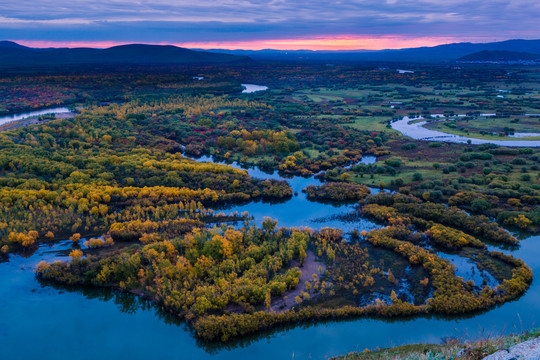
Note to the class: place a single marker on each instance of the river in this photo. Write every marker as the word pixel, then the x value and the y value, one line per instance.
pixel 48 322
pixel 417 131
pixel 299 211
pixel 26 115
pixel 251 88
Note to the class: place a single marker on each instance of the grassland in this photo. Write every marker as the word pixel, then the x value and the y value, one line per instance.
pixel 371 123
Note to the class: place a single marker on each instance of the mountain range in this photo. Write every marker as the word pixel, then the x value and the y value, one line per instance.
pixel 15 55
pixel 435 54
pixel 499 56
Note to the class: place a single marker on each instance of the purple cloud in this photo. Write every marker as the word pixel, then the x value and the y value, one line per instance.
pixel 227 20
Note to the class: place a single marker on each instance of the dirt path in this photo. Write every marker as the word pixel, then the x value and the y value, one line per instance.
pixel 311 266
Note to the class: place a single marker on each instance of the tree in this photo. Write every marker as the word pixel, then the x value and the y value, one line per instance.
pixel 269 225
pixel 268 300
pixel 75 237
pixel 302 256
pixel 76 254
pixel 520 221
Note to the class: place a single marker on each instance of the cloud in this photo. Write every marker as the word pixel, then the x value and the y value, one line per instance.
pixel 6 21
pixel 259 20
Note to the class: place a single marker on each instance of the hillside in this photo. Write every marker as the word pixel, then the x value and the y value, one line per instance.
pixel 15 55
pixel 499 56
pixel 11 44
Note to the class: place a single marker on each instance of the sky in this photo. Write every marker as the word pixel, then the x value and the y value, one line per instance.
pixel 260 24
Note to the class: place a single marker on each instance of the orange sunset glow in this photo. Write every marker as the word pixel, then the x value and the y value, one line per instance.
pixel 346 42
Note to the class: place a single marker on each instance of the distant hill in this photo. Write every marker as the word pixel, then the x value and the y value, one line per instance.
pixel 441 53
pixel 15 55
pixel 11 44
pixel 499 56
pixel 452 52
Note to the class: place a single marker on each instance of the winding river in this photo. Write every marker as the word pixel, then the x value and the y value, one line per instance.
pixel 417 131
pixel 49 322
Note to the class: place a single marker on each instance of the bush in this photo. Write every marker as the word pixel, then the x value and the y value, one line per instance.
pixel 479 205
pixel 408 146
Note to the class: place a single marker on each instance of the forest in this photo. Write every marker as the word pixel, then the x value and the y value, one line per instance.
pixel 122 182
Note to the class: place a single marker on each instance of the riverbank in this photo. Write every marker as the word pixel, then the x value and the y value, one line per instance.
pixel 525 345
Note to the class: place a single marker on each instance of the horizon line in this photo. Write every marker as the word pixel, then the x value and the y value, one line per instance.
pixel 332 44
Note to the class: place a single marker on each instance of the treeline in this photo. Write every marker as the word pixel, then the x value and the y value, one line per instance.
pixel 29 91
pixel 388 207
pixel 337 191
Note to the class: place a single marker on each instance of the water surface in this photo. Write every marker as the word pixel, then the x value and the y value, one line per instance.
pixel 417 131
pixel 523 135
pixel 299 211
pixel 48 323
pixel 251 88
pixel 26 115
